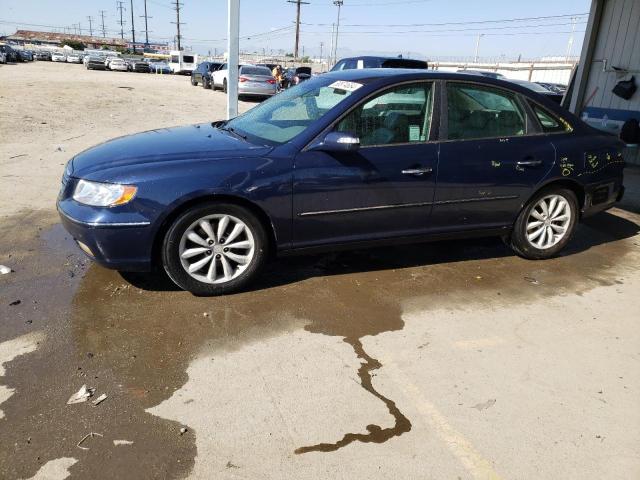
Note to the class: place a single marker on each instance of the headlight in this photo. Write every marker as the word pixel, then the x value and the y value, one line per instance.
pixel 103 194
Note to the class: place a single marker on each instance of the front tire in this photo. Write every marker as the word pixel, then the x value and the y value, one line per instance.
pixel 224 86
pixel 546 224
pixel 193 81
pixel 214 249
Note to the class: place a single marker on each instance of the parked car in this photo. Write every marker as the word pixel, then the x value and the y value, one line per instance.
pixel 58 57
pixel 378 62
pixel 556 97
pixel 25 55
pixel 554 87
pixel 43 55
pixel 95 62
pixel 203 73
pixel 140 66
pixel 484 73
pixel 11 55
pixel 118 64
pixel 294 76
pixel 74 58
pixel 160 67
pixel 256 81
pixel 219 77
pixel 346 159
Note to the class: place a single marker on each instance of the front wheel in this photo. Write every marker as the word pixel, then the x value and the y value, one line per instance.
pixel 193 81
pixel 546 224
pixel 205 83
pixel 224 86
pixel 214 249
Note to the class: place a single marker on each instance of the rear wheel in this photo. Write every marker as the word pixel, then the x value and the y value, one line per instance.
pixel 193 81
pixel 546 224
pixel 214 249
pixel 205 83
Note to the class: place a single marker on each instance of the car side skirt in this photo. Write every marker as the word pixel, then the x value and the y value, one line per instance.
pixel 363 244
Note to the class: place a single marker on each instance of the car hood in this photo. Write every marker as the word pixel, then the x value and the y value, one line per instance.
pixel 193 142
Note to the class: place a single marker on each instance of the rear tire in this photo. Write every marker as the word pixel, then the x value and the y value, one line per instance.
pixel 222 257
pixel 193 81
pixel 205 83
pixel 546 224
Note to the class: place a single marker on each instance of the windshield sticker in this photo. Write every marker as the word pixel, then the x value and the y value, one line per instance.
pixel 344 85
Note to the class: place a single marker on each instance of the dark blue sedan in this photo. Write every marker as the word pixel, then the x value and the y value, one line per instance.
pixel 354 158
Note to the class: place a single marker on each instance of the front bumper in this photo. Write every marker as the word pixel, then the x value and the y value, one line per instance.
pixel 120 242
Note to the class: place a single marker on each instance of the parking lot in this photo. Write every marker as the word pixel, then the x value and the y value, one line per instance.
pixel 450 360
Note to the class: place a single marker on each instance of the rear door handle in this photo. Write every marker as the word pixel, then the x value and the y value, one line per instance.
pixel 417 171
pixel 529 163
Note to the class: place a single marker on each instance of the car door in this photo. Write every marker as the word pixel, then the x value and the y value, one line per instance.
pixel 491 157
pixel 382 189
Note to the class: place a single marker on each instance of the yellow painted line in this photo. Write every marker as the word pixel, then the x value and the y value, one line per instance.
pixel 478 466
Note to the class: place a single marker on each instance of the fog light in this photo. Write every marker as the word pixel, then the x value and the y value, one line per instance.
pixel 85 249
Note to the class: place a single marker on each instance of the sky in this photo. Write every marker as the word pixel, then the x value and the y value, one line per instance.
pixel 429 29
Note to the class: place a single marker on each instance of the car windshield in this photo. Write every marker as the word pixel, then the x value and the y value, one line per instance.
pixel 288 114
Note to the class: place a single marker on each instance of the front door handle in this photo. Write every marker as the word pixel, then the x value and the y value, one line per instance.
pixel 417 171
pixel 529 163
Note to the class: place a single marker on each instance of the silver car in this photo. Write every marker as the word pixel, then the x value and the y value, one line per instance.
pixel 256 81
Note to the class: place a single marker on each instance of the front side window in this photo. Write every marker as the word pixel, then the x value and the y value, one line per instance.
pixel 482 112
pixel 398 115
pixel 175 58
pixel 286 115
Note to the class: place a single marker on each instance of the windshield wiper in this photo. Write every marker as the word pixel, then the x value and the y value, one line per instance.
pixel 233 131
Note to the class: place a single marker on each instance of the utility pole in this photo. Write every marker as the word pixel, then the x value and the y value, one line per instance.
pixel 178 23
pixel 570 44
pixel 104 31
pixel 339 4
pixel 298 4
pixel 121 8
pixel 321 45
pixel 146 25
pixel 90 25
pixel 133 30
pixel 478 47
pixel 330 56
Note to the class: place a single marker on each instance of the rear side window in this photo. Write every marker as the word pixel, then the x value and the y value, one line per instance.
pixel 187 59
pixel 475 111
pixel 549 122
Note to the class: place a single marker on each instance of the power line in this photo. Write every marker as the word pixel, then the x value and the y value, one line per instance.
pixel 477 22
pixel 104 31
pixel 121 23
pixel 298 3
pixel 178 23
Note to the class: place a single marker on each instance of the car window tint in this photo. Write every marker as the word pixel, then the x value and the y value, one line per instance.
pixel 248 70
pixel 549 122
pixel 482 112
pixel 398 115
pixel 371 63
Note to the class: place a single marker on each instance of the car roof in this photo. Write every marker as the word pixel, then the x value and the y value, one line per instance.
pixel 384 76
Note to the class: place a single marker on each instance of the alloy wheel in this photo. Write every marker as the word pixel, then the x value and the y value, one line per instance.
pixel 217 248
pixel 548 221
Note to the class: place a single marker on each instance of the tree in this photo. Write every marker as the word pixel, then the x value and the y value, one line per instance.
pixel 76 45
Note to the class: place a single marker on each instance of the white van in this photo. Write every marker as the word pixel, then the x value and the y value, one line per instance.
pixel 182 62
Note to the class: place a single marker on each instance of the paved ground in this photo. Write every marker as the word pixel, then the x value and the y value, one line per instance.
pixel 439 361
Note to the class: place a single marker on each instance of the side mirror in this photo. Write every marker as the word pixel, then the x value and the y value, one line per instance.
pixel 338 142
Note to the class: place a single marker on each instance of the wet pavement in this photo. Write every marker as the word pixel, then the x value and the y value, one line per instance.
pixel 360 364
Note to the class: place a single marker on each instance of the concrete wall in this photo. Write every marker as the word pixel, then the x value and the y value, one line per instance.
pixel 612 40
